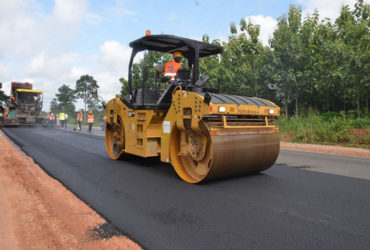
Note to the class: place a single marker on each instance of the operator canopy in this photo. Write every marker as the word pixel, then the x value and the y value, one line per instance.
pixel 170 44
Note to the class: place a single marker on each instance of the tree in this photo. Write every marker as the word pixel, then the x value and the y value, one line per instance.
pixel 241 62
pixel 211 65
pixel 86 87
pixel 3 96
pixel 144 71
pixel 124 87
pixel 54 106
pixel 315 64
pixel 354 33
pixel 66 98
pixel 286 57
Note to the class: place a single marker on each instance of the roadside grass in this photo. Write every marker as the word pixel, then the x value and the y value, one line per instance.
pixel 328 128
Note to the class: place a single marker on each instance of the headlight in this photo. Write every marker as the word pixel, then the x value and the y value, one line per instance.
pixel 271 111
pixel 221 109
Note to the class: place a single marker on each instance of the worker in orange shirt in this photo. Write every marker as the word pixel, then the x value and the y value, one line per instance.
pixel 51 119
pixel 170 68
pixel 80 119
pixel 90 120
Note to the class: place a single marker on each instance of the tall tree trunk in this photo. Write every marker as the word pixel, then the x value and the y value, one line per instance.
pixel 287 101
pixel 358 99
pixel 255 87
pixel 255 78
pixel 311 99
pixel 286 110
pixel 296 106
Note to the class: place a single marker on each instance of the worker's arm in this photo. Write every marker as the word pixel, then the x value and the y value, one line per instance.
pixel 159 71
pixel 160 68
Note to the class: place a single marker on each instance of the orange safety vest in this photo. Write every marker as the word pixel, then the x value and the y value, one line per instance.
pixel 90 119
pixel 171 68
pixel 80 117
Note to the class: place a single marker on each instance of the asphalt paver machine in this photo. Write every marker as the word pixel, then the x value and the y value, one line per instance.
pixel 25 106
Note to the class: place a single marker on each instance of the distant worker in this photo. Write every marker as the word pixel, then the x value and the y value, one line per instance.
pixel 65 120
pixel 90 120
pixel 62 118
pixel 51 119
pixel 170 68
pixel 80 119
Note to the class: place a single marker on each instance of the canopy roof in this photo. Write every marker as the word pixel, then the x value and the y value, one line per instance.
pixel 170 43
pixel 29 91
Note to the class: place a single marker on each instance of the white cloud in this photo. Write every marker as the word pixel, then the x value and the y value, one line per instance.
pixel 34 45
pixel 113 64
pixel 76 72
pixel 327 8
pixel 25 30
pixel 114 56
pixel 69 12
pixel 267 26
pixel 50 65
pixel 114 59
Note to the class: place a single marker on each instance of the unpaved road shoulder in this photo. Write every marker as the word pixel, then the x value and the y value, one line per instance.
pixel 326 149
pixel 38 212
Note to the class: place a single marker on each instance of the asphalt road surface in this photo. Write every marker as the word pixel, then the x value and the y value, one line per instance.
pixel 285 207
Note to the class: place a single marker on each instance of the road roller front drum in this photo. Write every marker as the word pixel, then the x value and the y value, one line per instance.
pixel 196 156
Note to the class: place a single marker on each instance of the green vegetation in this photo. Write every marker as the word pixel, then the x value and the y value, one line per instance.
pixel 87 90
pixel 327 128
pixel 319 67
pixel 321 70
pixel 316 64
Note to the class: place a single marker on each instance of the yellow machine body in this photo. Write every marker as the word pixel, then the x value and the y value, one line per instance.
pixel 202 140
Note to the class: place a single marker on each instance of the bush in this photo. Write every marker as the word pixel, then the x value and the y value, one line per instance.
pixel 327 128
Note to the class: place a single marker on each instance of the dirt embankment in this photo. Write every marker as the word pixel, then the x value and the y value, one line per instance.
pixel 327 149
pixel 38 212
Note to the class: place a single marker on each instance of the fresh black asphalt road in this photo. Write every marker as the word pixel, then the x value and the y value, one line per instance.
pixel 285 207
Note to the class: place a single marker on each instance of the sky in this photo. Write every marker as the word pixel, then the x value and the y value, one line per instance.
pixel 53 42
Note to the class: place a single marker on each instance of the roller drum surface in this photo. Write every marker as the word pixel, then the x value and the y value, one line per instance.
pixel 242 154
pixel 224 155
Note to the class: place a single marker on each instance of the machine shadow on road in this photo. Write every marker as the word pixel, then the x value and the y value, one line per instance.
pixel 149 163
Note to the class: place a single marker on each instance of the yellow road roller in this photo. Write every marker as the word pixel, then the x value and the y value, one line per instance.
pixel 203 134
